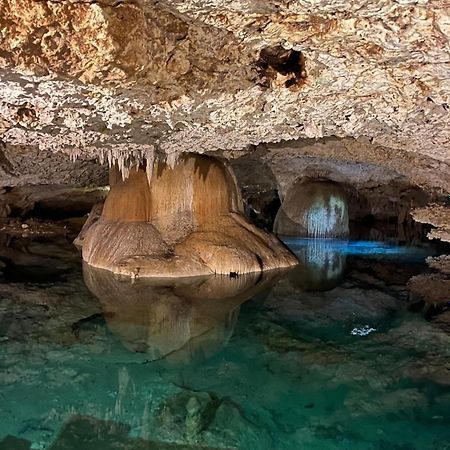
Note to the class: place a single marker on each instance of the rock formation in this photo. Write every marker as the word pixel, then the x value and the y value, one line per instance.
pixel 179 221
pixel 313 209
pixel 130 75
pixel 437 215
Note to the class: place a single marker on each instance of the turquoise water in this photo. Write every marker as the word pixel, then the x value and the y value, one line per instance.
pixel 332 355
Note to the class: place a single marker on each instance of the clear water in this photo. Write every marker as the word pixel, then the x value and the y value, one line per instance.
pixel 332 355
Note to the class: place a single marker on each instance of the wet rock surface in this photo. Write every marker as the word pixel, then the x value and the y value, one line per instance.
pixel 313 209
pixel 179 220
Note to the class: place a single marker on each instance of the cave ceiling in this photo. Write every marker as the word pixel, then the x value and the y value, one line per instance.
pixel 125 79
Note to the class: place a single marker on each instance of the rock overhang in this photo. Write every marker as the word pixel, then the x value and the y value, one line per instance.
pixel 183 75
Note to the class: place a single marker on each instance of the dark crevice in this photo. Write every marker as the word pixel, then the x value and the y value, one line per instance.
pixel 277 60
pixel 94 319
pixel 262 207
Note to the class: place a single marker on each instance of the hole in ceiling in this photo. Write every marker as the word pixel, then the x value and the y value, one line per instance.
pixel 277 60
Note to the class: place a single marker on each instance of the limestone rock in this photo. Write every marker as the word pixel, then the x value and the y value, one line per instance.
pixel 437 215
pixel 354 92
pixel 433 288
pixel 203 418
pixel 184 221
pixel 440 263
pixel 313 209
pixel 90 78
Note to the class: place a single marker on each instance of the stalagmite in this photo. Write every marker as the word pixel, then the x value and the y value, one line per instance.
pixel 180 221
pixel 313 209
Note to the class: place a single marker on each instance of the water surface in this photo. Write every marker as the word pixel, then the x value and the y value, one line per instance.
pixel 334 354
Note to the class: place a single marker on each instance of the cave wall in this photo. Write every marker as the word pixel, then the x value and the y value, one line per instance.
pixel 378 188
pixel 125 81
pixel 381 191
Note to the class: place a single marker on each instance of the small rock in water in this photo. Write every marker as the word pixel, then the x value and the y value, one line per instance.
pixel 193 420
pixel 362 331
pixel 37 446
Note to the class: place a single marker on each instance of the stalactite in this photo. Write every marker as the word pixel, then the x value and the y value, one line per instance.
pixel 172 159
pixel 126 159
pixel 315 209
pixel 325 216
pixel 74 154
pixel 150 160
pixel 110 159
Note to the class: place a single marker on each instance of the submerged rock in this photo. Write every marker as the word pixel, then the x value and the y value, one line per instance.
pixel 205 419
pixel 89 433
pixel 14 443
pixel 337 306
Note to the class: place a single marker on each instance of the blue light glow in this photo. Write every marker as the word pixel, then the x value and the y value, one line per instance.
pixel 366 248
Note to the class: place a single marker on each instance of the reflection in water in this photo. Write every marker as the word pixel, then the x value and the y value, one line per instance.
pixel 364 248
pixel 292 376
pixel 178 320
pixel 321 265
pixel 322 261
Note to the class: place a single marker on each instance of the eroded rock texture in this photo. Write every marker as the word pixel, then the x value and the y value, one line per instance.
pixel 437 215
pixel 180 221
pixel 199 76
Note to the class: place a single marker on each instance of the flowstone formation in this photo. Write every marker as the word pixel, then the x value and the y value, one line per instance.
pixel 178 221
pixel 313 209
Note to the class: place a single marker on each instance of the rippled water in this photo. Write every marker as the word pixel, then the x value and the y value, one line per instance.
pixel 334 354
